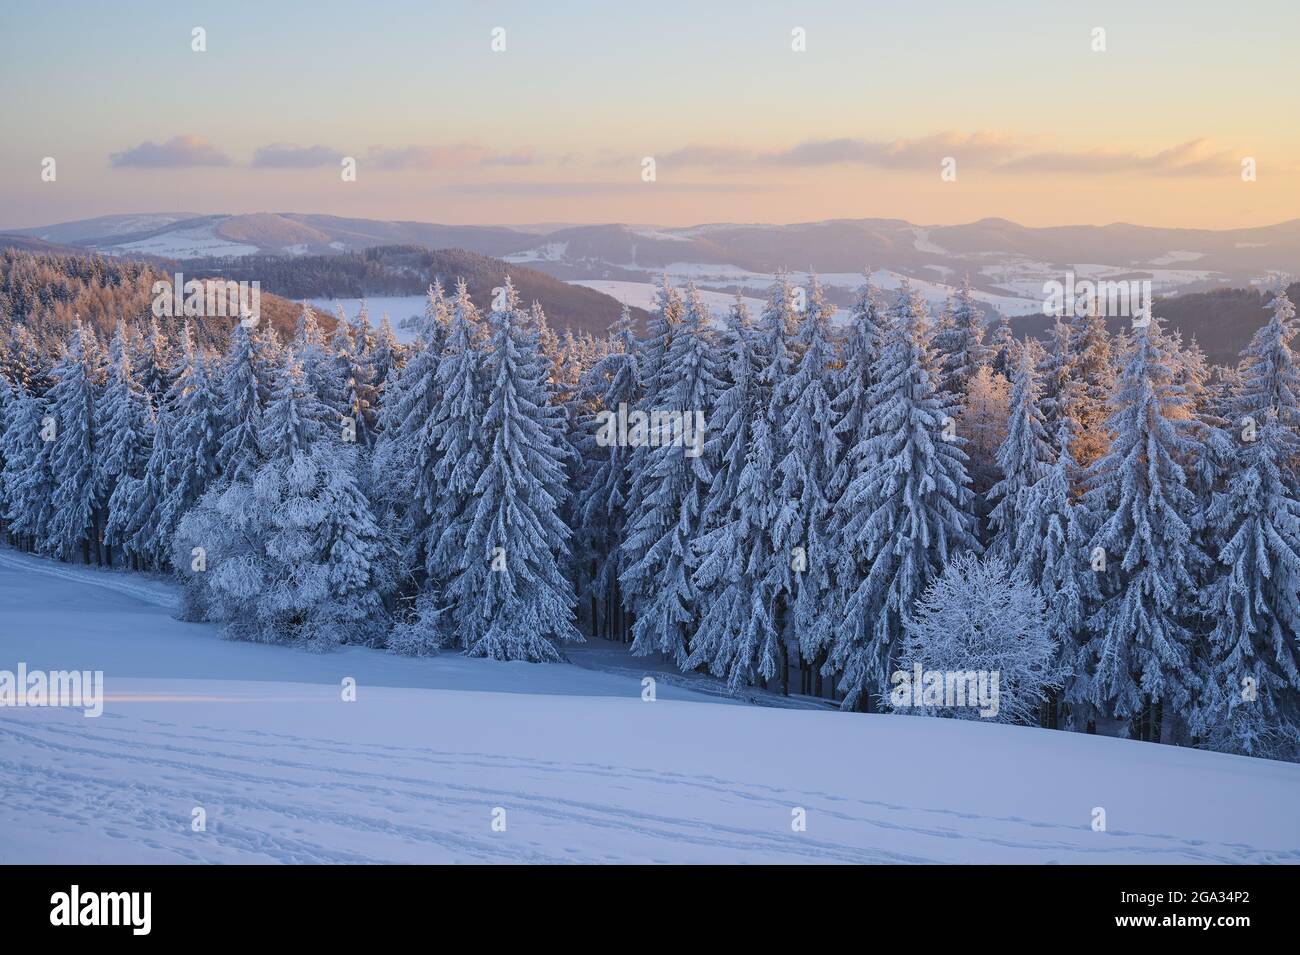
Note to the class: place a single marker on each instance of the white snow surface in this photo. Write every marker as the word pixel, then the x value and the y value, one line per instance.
pixel 259 737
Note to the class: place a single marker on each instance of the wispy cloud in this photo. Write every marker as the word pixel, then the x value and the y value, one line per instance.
pixel 455 156
pixel 1196 157
pixel 285 156
pixel 980 148
pixel 996 152
pixel 178 152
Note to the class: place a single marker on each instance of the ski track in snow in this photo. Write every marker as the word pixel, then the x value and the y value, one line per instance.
pixel 288 774
pixel 171 767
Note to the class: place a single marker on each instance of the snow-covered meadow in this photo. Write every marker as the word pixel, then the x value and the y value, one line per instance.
pixel 416 769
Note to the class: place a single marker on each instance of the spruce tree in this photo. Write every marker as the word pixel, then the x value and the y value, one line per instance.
pixel 244 394
pixel 78 499
pixel 195 411
pixel 801 534
pixel 1023 458
pixel 1051 551
pixel 612 386
pixel 512 599
pixel 1251 701
pixel 124 423
pixel 1140 653
pixel 906 509
pixel 675 482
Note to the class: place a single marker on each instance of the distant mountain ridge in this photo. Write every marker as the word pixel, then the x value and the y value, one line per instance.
pixel 1007 263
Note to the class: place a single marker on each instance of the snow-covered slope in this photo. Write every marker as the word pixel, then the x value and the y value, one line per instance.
pixel 413 770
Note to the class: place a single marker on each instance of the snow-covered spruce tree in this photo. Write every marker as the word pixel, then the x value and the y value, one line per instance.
pixel 78 500
pixel 137 519
pixel 194 406
pixel 8 397
pixel 448 461
pixel 1023 458
pixel 512 600
pixel 735 578
pixel 854 381
pixel 363 333
pixel 410 398
pixel 318 368
pixel 245 393
pixel 1251 701
pixel 124 422
pixel 153 363
pixel 1052 552
pixel 655 380
pixel 1145 511
pixel 551 371
pixel 801 534
pixel 28 476
pixel 294 419
pixel 960 346
pixel 977 622
pixel 353 371
pixel 905 511
pixel 386 358
pixel 1001 349
pixel 431 327
pixel 1270 382
pixel 1091 382
pixel 1054 375
pixel 661 558
pixel 612 386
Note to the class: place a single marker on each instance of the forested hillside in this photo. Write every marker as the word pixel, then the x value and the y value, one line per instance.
pixel 1107 524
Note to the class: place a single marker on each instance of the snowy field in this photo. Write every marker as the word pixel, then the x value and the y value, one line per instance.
pixel 586 771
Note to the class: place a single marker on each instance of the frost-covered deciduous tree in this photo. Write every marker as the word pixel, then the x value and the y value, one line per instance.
pixel 295 556
pixel 978 620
